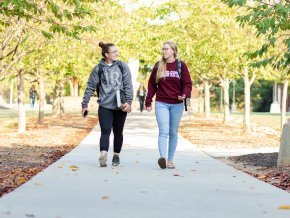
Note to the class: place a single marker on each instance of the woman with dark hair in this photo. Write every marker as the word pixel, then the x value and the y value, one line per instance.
pixel 171 82
pixel 110 77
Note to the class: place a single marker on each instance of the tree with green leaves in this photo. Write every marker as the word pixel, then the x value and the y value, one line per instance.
pixel 19 19
pixel 270 19
pixel 55 15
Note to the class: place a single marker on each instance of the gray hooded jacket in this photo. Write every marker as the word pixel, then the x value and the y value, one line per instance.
pixel 112 79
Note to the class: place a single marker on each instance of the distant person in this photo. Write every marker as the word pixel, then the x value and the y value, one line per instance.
pixel 32 96
pixel 170 81
pixel 111 77
pixel 141 93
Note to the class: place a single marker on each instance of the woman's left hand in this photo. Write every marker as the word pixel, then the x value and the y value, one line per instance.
pixel 126 107
pixel 181 98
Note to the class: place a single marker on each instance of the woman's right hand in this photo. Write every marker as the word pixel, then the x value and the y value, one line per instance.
pixel 85 112
pixel 149 109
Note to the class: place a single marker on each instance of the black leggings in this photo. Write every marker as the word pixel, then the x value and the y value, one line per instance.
pixel 111 118
pixel 141 100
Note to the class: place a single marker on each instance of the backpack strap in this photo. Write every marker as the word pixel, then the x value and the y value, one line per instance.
pixel 179 68
pixel 179 73
pixel 120 65
pixel 100 71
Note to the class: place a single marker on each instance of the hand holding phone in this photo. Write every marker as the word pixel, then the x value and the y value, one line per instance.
pixel 85 112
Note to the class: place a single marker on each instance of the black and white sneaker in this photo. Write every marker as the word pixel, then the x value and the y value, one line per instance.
pixel 116 160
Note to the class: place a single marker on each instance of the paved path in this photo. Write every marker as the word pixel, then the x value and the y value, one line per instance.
pixel 200 187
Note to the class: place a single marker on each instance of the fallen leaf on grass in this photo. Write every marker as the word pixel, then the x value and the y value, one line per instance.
pixel 105 198
pixel 285 207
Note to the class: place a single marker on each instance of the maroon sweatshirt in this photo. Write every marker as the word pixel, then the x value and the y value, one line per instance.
pixel 167 90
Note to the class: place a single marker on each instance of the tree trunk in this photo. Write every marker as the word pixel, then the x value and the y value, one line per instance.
pixel 221 100
pixel 200 100
pixel 71 88
pixel 75 87
pixel 41 100
pixel 207 100
pixel 61 104
pixel 284 100
pixel 225 87
pixel 247 92
pixel 56 101
pixel 21 107
pixel 11 93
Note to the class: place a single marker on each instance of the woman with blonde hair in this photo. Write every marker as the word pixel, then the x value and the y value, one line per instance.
pixel 170 81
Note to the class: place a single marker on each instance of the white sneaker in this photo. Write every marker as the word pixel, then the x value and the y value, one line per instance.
pixel 103 160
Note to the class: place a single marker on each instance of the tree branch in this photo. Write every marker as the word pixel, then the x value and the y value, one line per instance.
pixel 253 78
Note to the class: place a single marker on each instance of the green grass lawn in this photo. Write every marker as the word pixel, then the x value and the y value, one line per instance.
pixel 264 119
pixel 10 117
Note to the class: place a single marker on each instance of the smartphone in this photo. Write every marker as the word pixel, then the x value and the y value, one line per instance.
pixel 85 113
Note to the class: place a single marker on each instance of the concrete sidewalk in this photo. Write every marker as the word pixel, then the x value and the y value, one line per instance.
pixel 200 187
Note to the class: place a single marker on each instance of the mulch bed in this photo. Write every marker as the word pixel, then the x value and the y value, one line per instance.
pixel 263 166
pixel 25 155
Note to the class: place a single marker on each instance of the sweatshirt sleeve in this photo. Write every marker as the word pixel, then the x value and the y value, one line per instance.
pixel 127 83
pixel 91 87
pixel 152 87
pixel 186 81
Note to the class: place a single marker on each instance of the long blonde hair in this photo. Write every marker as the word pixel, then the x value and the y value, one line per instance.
pixel 161 70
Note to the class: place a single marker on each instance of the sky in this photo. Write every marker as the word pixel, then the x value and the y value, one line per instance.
pixel 129 6
pixel 137 3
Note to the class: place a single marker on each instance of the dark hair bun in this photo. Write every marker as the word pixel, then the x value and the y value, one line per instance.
pixel 101 44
